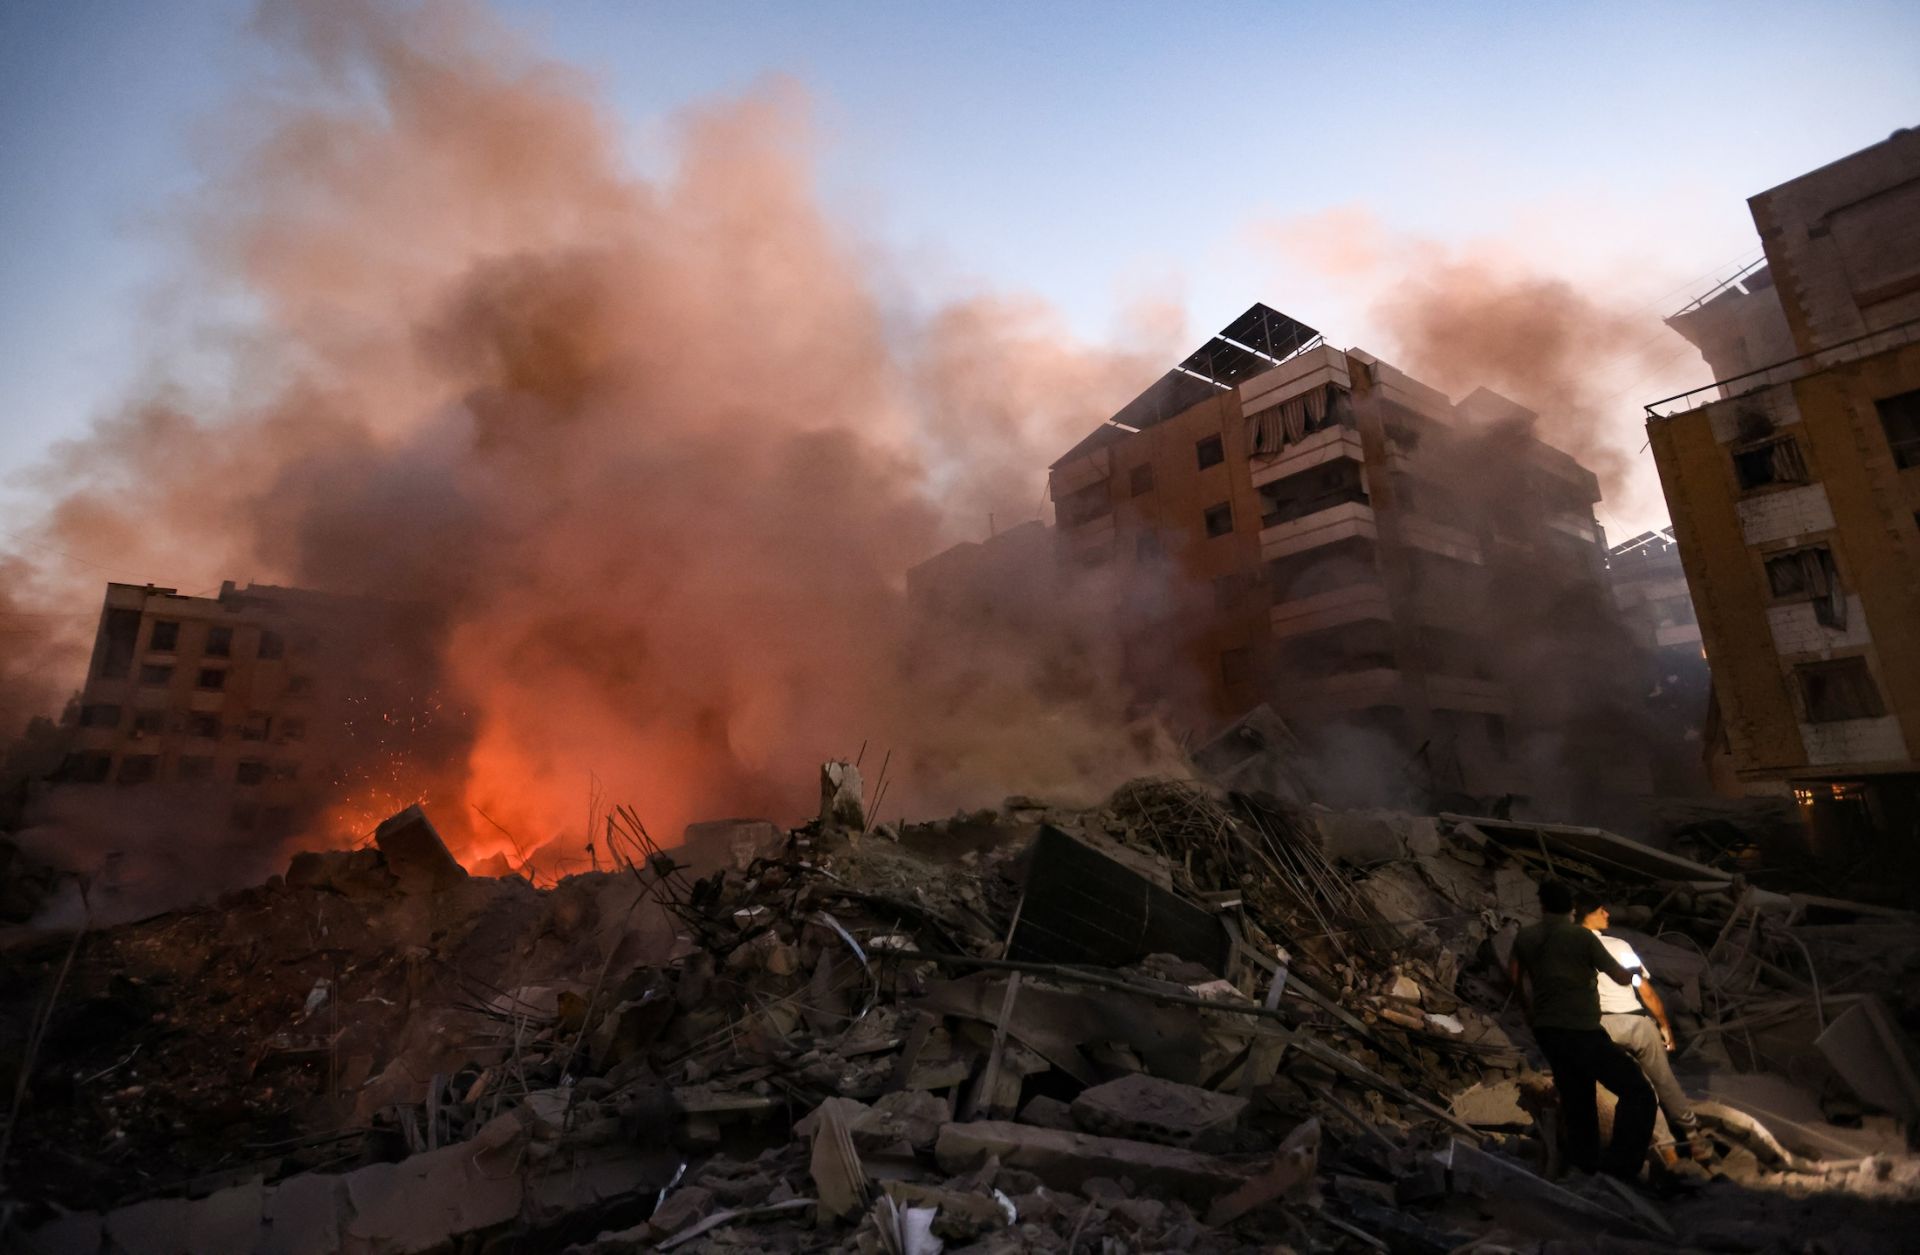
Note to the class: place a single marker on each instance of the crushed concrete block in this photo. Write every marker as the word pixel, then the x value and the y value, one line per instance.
pixel 840 797
pixel 1491 1102
pixel 1066 1161
pixel 682 1207
pixel 158 1226
pixel 227 1222
pixel 416 856
pixel 729 843
pixel 910 1115
pixel 1361 837
pixel 1148 1109
pixel 303 1215
pixel 355 873
pixel 423 1202
pixel 1289 1176
pixel 1048 1113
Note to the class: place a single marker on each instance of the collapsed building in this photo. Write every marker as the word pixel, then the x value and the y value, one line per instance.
pixel 1793 482
pixel 1414 583
pixel 1186 1019
pixel 1650 592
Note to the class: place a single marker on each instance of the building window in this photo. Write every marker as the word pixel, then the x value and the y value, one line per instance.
pixel 165 637
pixel 1087 504
pixel 86 768
pixel 154 673
pixel 1146 546
pixel 1140 479
pixel 219 642
pixel 119 632
pixel 202 724
pixel 1775 461
pixel 272 645
pixel 256 726
pixel 212 678
pixel 1209 452
pixel 293 729
pixel 1901 417
pixel 149 722
pixel 100 715
pixel 1809 575
pixel 193 768
pixel 1837 690
pixel 298 684
pixel 1219 519
pixel 1236 667
pixel 249 771
pixel 138 769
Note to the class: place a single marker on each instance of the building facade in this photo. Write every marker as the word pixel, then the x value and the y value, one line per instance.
pixel 1315 529
pixel 1650 592
pixel 237 714
pixel 1794 488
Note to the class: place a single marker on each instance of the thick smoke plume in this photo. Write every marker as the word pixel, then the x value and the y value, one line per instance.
pixel 651 458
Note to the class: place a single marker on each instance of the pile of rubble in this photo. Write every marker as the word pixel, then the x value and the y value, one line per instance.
pixel 1191 1019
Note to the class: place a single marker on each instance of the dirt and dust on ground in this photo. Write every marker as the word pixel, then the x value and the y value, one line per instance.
pixel 1207 1015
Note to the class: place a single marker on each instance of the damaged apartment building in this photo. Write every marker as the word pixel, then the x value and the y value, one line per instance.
pixel 1794 486
pixel 1370 553
pixel 236 712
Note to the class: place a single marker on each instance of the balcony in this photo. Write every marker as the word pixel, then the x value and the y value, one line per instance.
pixel 1322 446
pixel 1310 369
pixel 1439 538
pixel 1354 690
pixel 1356 603
pixel 1343 521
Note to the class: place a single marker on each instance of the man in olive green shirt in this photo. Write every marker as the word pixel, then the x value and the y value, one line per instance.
pixel 1560 961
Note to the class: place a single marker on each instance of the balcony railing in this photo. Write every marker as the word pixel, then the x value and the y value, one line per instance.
pixel 1786 372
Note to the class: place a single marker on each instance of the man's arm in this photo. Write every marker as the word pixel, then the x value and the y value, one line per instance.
pixel 1658 1010
pixel 1604 963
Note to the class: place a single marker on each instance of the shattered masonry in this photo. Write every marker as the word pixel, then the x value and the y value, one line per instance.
pixel 1187 1019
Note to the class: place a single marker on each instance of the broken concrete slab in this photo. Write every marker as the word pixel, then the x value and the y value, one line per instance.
pixel 1529 1202
pixel 1066 1161
pixel 733 844
pixel 302 1215
pixel 1145 1108
pixel 416 856
pixel 1491 1104
pixel 75 1234
pixel 1875 1058
pixel 1290 1176
pixel 423 1202
pixel 840 795
pixel 1361 837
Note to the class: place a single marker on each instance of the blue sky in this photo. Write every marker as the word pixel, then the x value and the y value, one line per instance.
pixel 1079 152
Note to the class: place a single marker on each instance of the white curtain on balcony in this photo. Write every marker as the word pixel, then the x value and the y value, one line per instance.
pixel 1275 427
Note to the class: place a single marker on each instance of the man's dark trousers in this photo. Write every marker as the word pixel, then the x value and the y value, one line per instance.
pixel 1579 1057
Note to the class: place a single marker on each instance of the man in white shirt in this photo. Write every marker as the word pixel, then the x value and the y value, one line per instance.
pixel 1635 1018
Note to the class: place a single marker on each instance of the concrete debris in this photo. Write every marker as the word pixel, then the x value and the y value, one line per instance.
pixel 1192 1018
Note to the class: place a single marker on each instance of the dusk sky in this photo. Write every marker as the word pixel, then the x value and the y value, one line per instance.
pixel 1089 155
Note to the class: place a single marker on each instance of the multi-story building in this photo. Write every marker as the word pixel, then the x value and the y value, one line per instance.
pixel 1315 529
pixel 1794 486
pixel 238 711
pixel 1650 592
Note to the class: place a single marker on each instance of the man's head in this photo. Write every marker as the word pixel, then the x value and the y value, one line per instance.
pixel 1590 909
pixel 1555 898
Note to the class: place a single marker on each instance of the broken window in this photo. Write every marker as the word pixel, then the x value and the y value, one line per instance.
pixel 219 642
pixel 272 644
pixel 100 715
pixel 193 768
pixel 1236 667
pixel 119 633
pixel 165 637
pixel 1313 490
pixel 1087 504
pixel 149 722
pixel 1809 575
pixel 137 769
pixel 1209 452
pixel 1840 689
pixel 1775 461
pixel 85 768
pixel 156 673
pixel 249 771
pixel 202 724
pixel 212 678
pixel 1140 479
pixel 1900 416
pixel 1219 519
pixel 256 726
